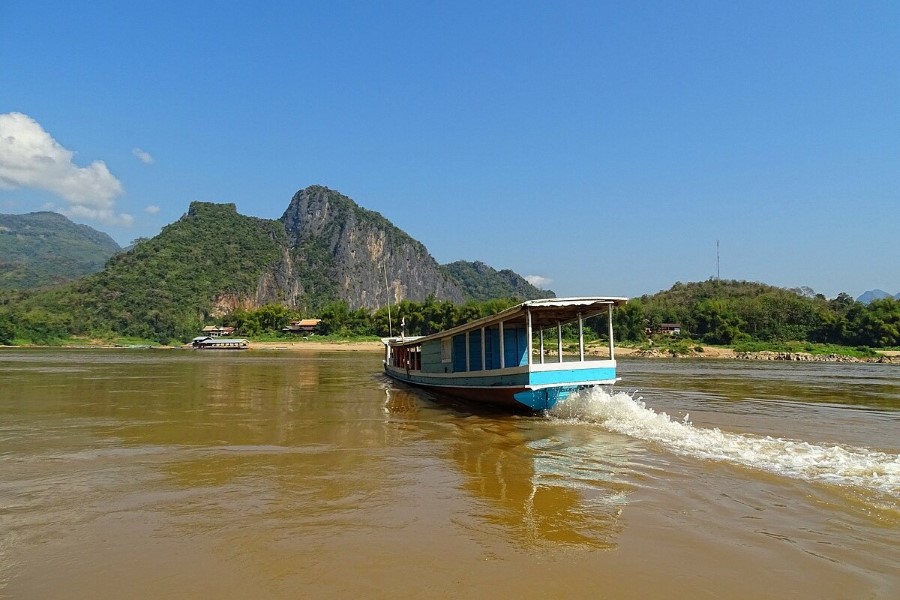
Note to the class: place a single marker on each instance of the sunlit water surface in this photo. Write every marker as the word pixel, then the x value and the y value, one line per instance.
pixel 146 474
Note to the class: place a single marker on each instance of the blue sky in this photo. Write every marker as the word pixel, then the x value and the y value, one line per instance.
pixel 602 146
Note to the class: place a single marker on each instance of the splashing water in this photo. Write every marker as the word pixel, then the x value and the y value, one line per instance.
pixel 622 413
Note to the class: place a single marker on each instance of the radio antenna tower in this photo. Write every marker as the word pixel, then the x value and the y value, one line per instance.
pixel 717 260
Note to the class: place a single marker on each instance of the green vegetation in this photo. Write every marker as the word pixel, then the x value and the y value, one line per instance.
pixel 162 289
pixel 805 347
pixel 45 248
pixel 165 289
pixel 483 282
pixel 339 321
pixel 266 320
pixel 745 316
pixel 214 261
pixel 740 313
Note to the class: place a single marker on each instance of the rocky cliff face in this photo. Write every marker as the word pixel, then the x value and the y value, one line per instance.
pixel 341 250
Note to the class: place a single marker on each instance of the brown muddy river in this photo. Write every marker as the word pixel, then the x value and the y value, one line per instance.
pixel 266 474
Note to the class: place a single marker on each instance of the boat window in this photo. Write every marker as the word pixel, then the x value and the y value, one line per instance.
pixel 459 353
pixel 475 350
pixel 515 346
pixel 491 348
pixel 446 349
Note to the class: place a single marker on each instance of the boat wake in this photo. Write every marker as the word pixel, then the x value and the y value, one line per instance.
pixel 621 412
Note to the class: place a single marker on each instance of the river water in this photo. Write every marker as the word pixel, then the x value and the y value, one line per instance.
pixel 179 474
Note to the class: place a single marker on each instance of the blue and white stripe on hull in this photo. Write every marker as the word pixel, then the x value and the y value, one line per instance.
pixel 539 390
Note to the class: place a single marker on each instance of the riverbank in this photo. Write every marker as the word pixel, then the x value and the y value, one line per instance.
pixel 716 352
pixel 377 346
pixel 306 344
pixel 598 350
pixel 710 352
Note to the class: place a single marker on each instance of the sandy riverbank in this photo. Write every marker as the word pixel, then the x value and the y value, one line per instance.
pixel 710 352
pixel 377 346
pixel 374 346
pixel 599 351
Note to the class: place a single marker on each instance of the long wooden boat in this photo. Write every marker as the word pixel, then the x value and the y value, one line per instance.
pixel 502 359
pixel 219 343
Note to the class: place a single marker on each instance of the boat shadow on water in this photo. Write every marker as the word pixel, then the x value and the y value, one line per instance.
pixel 540 484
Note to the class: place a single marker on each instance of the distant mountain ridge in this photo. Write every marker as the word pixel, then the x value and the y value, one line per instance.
pixel 875 294
pixel 46 248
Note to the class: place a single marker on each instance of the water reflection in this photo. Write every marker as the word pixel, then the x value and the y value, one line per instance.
pixel 535 483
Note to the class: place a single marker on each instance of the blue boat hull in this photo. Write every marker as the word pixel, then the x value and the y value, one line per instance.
pixel 528 390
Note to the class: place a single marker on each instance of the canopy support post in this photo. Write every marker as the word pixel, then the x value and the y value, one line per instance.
pixel 528 335
pixel 580 338
pixel 542 345
pixel 559 340
pixel 468 354
pixel 612 355
pixel 502 353
pixel 483 353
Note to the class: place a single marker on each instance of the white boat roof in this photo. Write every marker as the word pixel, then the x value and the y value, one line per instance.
pixel 545 313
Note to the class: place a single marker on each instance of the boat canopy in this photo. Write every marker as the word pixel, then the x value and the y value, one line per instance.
pixel 545 313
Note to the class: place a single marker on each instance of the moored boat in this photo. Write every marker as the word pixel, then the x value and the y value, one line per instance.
pixel 219 343
pixel 502 359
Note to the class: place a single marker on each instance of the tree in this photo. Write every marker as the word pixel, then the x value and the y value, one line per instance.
pixel 7 330
pixel 717 322
pixel 875 324
pixel 272 317
pixel 628 322
pixel 335 318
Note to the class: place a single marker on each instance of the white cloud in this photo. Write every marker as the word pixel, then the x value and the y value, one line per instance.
pixel 142 156
pixel 31 158
pixel 538 281
pixel 151 209
pixel 76 211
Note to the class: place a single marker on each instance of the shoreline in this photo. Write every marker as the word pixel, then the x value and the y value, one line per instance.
pixel 373 346
pixel 708 352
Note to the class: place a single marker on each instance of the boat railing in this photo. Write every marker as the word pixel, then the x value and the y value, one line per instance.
pixel 505 343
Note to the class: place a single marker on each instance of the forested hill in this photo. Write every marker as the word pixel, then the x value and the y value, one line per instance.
pixel 45 248
pixel 214 261
pixel 483 282
pixel 726 312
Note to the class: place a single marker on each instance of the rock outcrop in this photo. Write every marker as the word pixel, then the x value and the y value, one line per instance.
pixel 796 357
pixel 343 251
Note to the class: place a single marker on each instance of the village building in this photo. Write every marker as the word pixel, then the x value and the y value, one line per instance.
pixel 217 331
pixel 669 329
pixel 303 326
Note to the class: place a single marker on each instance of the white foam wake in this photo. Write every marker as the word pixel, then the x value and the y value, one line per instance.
pixel 622 413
